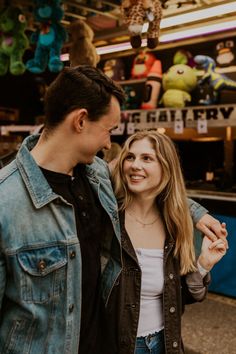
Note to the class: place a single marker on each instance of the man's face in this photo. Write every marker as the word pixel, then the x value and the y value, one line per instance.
pixel 97 135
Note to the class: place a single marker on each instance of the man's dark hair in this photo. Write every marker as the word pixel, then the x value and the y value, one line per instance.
pixel 82 86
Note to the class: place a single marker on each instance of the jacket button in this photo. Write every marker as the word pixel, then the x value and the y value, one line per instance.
pixel 41 265
pixel 175 344
pixel 133 306
pixel 172 309
pixel 71 308
pixel 72 254
pixel 84 213
pixel 171 275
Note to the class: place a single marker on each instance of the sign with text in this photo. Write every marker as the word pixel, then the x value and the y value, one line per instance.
pixel 215 116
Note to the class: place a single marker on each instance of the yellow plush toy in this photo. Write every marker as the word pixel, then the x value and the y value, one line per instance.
pixel 135 13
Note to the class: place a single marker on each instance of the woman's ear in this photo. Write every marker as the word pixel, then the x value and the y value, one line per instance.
pixel 79 118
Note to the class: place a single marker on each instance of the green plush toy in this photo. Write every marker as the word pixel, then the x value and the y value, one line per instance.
pixel 177 83
pixel 13 41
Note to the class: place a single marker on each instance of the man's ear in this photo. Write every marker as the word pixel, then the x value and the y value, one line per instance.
pixel 80 115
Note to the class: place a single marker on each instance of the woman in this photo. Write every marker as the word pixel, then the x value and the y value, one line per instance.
pixel 160 273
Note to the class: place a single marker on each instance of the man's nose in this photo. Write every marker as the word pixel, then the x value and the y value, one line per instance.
pixel 108 145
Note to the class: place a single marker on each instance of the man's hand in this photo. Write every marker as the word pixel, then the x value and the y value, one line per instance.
pixel 212 228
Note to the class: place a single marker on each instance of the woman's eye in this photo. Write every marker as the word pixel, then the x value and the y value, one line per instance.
pixel 129 158
pixel 147 158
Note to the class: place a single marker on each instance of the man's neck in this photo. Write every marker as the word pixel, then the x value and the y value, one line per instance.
pixel 54 155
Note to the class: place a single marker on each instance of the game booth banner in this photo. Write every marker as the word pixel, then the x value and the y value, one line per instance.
pixel 200 117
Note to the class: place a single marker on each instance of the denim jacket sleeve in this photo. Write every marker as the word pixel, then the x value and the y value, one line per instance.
pixel 196 210
pixel 2 278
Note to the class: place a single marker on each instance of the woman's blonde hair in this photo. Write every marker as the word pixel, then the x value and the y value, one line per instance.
pixel 112 153
pixel 170 194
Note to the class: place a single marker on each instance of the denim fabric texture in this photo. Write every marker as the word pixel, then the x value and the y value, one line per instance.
pixel 40 260
pixel 151 344
pixel 196 210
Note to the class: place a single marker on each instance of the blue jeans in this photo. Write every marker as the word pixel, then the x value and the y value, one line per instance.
pixel 151 344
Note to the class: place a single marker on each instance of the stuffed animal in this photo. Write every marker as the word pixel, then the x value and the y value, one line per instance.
pixel 226 53
pixel 82 50
pixel 183 56
pixel 13 41
pixel 142 64
pixel 177 83
pixel 115 69
pixel 135 13
pixel 152 86
pixel 49 38
pixel 216 80
pixel 205 95
pixel 132 99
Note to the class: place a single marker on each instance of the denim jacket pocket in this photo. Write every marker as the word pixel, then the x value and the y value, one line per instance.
pixel 43 273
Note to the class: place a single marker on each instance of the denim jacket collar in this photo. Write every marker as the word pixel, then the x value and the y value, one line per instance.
pixel 35 182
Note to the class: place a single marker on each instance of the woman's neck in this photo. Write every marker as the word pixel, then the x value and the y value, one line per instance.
pixel 143 208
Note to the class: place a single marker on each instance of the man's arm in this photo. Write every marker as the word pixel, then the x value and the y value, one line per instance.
pixel 206 223
pixel 2 278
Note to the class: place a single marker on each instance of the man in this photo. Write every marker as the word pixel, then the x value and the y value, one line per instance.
pixel 59 226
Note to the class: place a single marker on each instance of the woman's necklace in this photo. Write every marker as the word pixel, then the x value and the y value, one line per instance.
pixel 141 222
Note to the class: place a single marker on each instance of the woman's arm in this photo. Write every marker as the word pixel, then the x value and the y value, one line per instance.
pixel 196 283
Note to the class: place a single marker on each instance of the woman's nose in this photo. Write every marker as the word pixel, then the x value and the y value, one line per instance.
pixel 136 165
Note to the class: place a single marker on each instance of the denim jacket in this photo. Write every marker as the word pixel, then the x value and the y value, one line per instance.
pixel 40 260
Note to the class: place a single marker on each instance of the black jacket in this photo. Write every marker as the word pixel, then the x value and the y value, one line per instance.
pixel 122 310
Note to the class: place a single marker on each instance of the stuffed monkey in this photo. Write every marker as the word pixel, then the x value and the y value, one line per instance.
pixel 135 13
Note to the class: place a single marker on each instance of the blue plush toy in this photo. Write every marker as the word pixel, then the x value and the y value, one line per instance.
pixel 49 38
pixel 216 80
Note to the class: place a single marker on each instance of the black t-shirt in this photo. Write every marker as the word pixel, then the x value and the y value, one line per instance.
pixel 89 214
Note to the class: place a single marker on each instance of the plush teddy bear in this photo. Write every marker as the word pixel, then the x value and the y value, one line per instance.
pixel 135 13
pixel 13 41
pixel 177 83
pixel 49 38
pixel 82 50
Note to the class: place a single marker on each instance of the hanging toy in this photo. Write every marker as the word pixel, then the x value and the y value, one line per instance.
pixel 13 41
pixel 49 38
pixel 216 80
pixel 82 51
pixel 135 13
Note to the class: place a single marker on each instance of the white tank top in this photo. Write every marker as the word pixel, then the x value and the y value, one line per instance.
pixel 151 312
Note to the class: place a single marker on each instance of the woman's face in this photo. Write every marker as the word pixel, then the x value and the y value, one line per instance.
pixel 141 168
